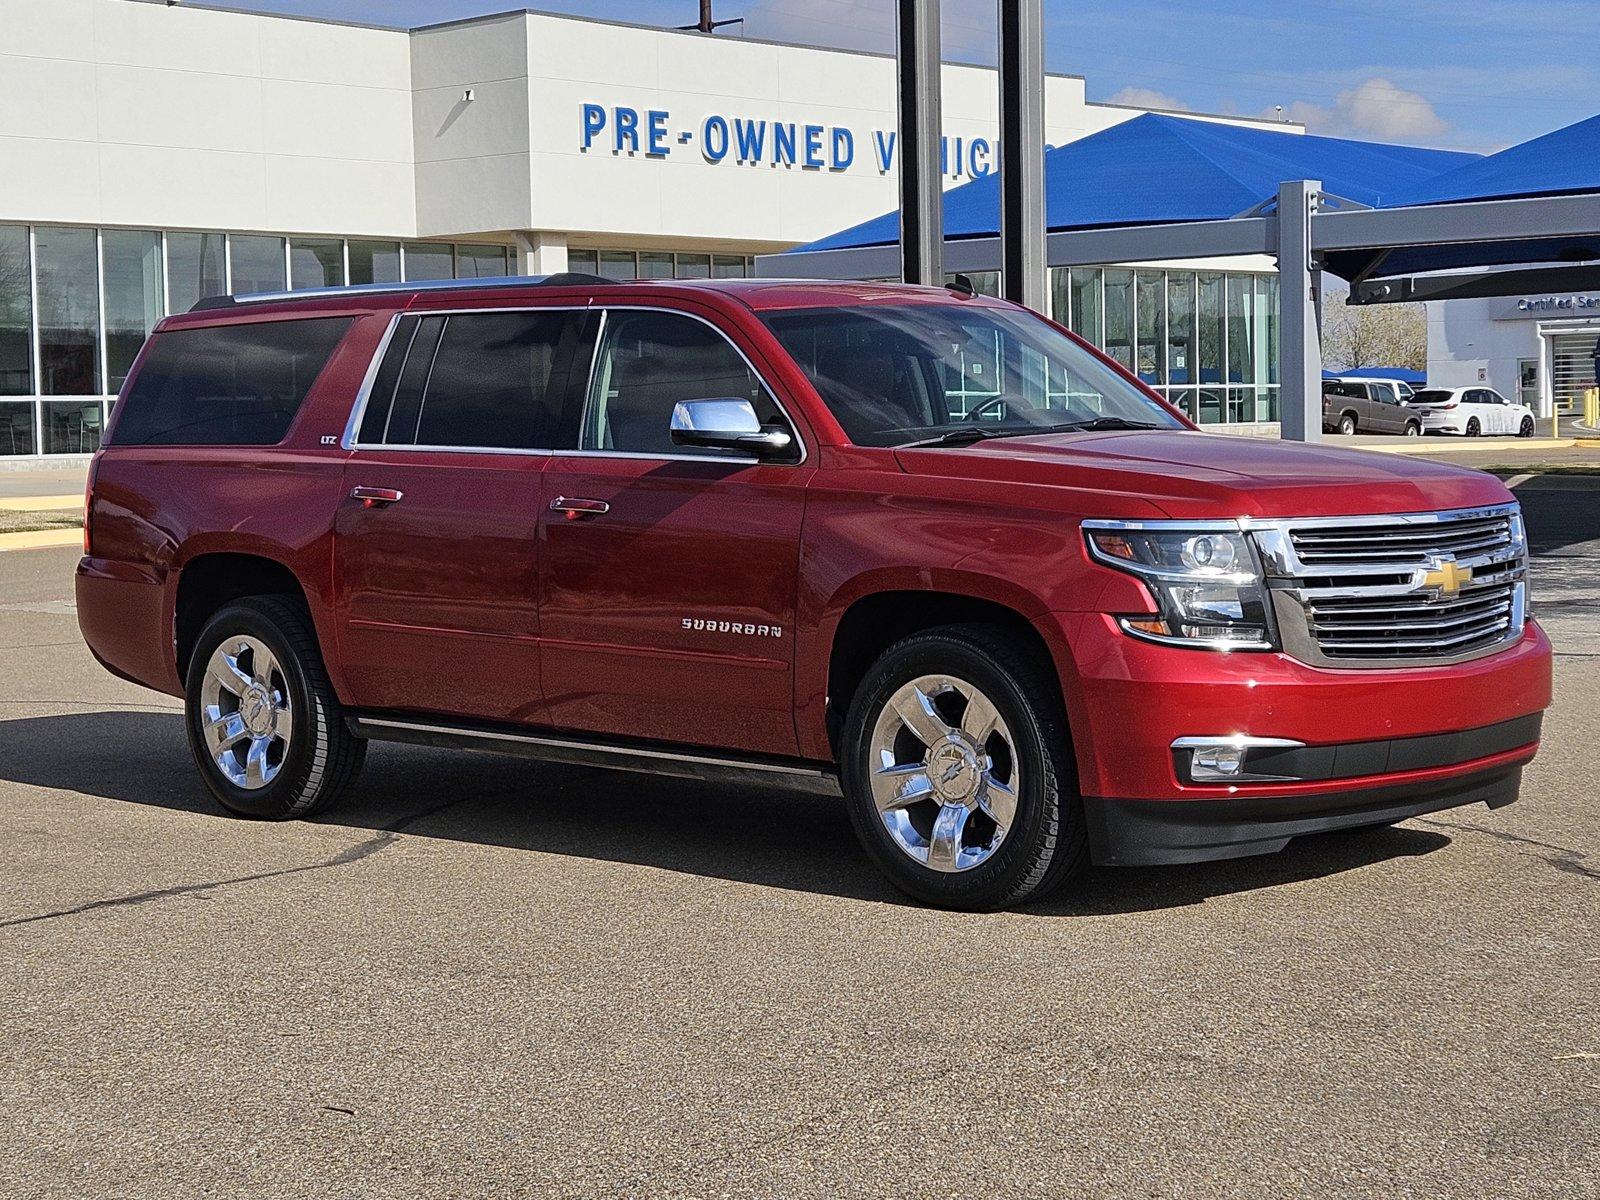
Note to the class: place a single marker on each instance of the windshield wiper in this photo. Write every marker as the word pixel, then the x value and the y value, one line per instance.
pixel 1111 423
pixel 963 436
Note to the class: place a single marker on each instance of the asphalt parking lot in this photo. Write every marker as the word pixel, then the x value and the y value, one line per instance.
pixel 483 977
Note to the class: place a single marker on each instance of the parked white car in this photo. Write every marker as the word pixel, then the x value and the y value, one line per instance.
pixel 1471 411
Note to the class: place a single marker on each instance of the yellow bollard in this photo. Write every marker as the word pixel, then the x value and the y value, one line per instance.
pixel 1591 407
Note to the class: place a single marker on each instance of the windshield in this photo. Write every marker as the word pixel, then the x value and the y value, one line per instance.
pixel 1432 396
pixel 894 375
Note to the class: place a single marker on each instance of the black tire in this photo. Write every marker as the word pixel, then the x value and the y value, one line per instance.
pixel 1526 428
pixel 1047 842
pixel 322 757
pixel 1413 429
pixel 1473 428
pixel 1347 424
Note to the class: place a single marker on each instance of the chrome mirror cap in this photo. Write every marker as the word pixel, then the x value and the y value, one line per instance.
pixel 729 423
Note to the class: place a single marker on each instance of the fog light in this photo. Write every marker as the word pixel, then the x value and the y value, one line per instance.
pixel 1217 762
pixel 1225 759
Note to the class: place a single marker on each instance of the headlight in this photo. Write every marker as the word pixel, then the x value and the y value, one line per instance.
pixel 1205 579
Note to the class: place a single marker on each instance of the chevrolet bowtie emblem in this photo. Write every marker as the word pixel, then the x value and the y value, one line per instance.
pixel 1447 578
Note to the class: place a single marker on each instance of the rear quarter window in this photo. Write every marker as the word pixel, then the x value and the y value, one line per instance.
pixel 225 385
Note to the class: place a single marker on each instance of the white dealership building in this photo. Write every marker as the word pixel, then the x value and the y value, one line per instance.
pixel 154 153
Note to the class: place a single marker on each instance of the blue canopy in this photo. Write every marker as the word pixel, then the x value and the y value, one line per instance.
pixel 1562 162
pixel 1155 169
pixel 1402 374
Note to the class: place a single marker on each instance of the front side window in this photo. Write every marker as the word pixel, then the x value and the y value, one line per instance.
pixel 895 374
pixel 224 385
pixel 649 361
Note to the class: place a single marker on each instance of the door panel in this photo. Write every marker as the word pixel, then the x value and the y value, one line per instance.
pixel 439 590
pixel 671 615
pixel 668 590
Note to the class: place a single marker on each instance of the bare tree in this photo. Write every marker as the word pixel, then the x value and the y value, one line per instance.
pixel 1373 335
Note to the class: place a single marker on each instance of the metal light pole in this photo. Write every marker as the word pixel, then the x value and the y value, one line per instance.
pixel 1299 291
pixel 921 193
pixel 1024 270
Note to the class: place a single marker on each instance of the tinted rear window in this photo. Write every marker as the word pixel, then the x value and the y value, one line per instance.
pixel 226 385
pixel 1431 396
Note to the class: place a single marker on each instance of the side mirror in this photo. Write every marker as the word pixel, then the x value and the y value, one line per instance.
pixel 726 424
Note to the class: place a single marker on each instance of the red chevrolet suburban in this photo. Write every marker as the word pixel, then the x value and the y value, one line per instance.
pixel 919 544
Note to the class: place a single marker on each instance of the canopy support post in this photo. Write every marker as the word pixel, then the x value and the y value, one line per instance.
pixel 1300 293
pixel 921 195
pixel 1024 277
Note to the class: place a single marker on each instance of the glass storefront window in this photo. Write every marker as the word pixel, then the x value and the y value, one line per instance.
pixel 1180 327
pixel 196 268
pixel 728 266
pixel 16 324
pixel 694 266
pixel 1060 297
pixel 256 264
pixel 619 264
pixel 131 259
pixel 429 260
pixel 1267 308
pixel 655 264
pixel 582 262
pixel 72 426
pixel 374 262
pixel 481 262
pixel 16 427
pixel 315 264
pixel 1241 351
pixel 1087 320
pixel 68 280
pixel 1152 319
pixel 1119 315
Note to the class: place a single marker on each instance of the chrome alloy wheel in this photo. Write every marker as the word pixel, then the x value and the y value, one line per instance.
pixel 944 773
pixel 245 712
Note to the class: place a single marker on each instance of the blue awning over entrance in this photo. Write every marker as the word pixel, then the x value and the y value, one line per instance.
pixel 1156 169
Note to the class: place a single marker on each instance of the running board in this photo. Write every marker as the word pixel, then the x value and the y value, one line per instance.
pixel 583 752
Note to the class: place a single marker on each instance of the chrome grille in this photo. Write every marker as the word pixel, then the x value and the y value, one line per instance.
pixel 1381 591
pixel 1385 544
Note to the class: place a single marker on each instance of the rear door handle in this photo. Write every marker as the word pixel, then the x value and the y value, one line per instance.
pixel 575 507
pixel 371 496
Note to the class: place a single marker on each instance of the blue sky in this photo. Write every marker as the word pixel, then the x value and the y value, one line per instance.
pixel 1478 75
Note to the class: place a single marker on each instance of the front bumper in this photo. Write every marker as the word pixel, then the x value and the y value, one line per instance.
pixel 1128 833
pixel 1376 740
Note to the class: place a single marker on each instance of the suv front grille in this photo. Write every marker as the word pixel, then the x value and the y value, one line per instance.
pixel 1384 591
pixel 1388 544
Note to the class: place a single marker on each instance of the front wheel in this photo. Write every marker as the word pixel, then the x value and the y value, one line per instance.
pixel 1347 424
pixel 1473 428
pixel 1526 428
pixel 263 722
pixel 958 773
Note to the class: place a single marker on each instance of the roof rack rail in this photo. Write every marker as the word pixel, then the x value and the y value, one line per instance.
pixel 561 279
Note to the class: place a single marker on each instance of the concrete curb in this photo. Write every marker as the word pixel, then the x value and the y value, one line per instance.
pixel 1459 445
pixel 41 539
pixel 41 503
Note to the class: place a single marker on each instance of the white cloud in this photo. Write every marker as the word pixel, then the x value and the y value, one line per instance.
pixel 1375 109
pixel 1138 97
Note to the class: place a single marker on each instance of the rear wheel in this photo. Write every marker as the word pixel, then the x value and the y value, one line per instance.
pixel 263 722
pixel 1526 428
pixel 1413 429
pixel 1347 423
pixel 1473 428
pixel 958 773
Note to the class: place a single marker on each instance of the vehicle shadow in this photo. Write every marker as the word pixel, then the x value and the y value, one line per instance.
pixel 766 837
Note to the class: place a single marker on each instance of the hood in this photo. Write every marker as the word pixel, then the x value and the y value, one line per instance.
pixel 1205 475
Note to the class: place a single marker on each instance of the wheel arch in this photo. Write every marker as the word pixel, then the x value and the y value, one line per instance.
pixel 211 579
pixel 870 617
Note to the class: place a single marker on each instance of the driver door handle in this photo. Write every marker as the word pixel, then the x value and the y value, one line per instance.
pixel 372 496
pixel 575 507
